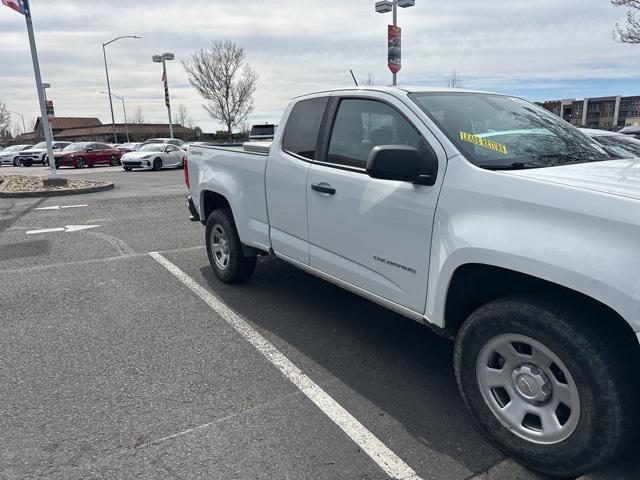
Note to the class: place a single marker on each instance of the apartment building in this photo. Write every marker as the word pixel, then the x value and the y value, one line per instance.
pixel 606 113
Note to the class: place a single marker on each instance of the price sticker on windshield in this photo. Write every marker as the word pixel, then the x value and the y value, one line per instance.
pixel 483 142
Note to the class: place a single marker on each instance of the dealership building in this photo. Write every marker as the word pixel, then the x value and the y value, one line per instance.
pixel 78 129
pixel 606 113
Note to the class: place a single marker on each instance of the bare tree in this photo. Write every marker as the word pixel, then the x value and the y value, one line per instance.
pixel 368 81
pixel 182 116
pixel 137 116
pixel 630 31
pixel 5 123
pixel 454 81
pixel 226 82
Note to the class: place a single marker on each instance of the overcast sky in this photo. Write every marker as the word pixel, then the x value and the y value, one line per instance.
pixel 542 49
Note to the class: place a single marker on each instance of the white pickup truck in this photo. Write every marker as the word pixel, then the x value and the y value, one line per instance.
pixel 482 216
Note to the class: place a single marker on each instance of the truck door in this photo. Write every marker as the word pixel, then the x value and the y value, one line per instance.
pixel 286 178
pixel 372 234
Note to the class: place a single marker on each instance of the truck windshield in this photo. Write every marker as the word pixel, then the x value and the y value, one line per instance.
pixel 502 132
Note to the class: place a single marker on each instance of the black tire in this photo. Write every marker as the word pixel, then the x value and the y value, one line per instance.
pixel 239 267
pixel 16 161
pixel 157 164
pixel 79 163
pixel 127 169
pixel 45 161
pixel 26 163
pixel 605 383
pixel 113 161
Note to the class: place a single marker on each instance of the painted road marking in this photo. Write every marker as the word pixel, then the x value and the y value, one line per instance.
pixel 67 229
pixel 367 441
pixel 59 207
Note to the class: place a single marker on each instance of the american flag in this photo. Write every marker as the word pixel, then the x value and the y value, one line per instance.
pixel 20 6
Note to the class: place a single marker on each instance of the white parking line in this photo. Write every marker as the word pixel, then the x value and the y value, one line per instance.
pixel 367 441
pixel 58 207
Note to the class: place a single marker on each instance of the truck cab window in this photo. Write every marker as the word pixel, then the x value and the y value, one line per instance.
pixel 303 126
pixel 361 125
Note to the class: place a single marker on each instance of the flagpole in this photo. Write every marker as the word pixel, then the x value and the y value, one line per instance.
pixel 53 174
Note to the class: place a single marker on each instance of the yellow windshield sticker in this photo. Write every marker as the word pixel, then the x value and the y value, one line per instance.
pixel 483 142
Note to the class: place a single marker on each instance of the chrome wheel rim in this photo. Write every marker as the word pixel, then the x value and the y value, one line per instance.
pixel 220 247
pixel 528 389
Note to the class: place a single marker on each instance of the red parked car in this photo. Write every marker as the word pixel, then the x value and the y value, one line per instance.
pixel 87 154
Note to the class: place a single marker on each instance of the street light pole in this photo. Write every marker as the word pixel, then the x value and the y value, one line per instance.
pixel 386 6
pixel 24 127
pixel 124 110
pixel 106 70
pixel 163 59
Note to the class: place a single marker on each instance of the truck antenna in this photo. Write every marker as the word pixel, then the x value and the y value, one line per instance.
pixel 354 77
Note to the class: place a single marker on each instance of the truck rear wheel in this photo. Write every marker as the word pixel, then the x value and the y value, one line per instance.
pixel 543 383
pixel 224 248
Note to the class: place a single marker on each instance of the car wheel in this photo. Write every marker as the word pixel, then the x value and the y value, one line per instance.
pixel 26 163
pixel 538 377
pixel 224 248
pixel 113 161
pixel 45 161
pixel 157 164
pixel 16 162
pixel 79 163
pixel 127 169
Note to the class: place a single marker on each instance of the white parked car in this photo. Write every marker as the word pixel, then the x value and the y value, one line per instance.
pixel 154 156
pixel 38 153
pixel 11 155
pixel 616 144
pixel 173 141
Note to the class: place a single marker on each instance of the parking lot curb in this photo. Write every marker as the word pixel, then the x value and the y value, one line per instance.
pixel 100 187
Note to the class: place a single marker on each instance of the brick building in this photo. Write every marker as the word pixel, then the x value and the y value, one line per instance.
pixel 78 129
pixel 606 113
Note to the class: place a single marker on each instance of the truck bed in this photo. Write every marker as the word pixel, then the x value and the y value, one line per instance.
pixel 237 175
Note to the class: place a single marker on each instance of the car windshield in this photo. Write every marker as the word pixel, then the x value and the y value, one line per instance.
pixel 75 147
pixel 40 146
pixel 619 145
pixel 152 147
pixel 13 148
pixel 502 132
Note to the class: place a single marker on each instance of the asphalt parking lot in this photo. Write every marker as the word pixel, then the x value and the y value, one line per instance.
pixel 112 367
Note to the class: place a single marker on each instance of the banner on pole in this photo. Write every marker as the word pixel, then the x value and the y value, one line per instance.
pixel 395 49
pixel 20 6
pixel 50 112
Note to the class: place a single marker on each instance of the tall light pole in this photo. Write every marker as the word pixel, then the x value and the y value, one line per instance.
pixel 106 69
pixel 124 110
pixel 24 127
pixel 387 6
pixel 163 59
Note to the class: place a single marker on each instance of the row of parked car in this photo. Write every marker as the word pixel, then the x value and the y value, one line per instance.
pixel 153 154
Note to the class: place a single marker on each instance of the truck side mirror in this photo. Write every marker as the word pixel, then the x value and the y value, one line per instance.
pixel 394 162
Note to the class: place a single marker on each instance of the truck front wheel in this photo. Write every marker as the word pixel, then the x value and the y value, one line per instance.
pixel 543 382
pixel 224 248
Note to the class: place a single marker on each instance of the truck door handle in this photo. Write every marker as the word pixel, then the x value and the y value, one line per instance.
pixel 323 188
